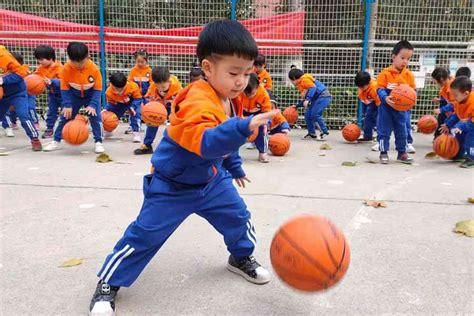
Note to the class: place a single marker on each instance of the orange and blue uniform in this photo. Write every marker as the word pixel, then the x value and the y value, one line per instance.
pixel 166 98
pixel 81 87
pixel 14 91
pixel 119 103
pixel 193 169
pixel 318 98
pixel 390 119
pixel 142 77
pixel 53 73
pixel 371 102
pixel 265 79
pixel 463 118
pixel 278 124
pixel 446 100
pixel 259 103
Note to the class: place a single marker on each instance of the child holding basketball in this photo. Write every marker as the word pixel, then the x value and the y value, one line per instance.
pixel 81 86
pixel 255 100
pixel 140 74
pixel 122 96
pixel 390 119
pixel 194 166
pixel 263 76
pixel 13 92
pixel 316 98
pixel 50 70
pixel 461 123
pixel 367 93
pixel 163 88
pixel 441 78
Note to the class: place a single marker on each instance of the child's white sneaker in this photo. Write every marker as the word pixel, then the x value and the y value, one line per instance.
pixel 376 147
pixel 410 149
pixel 54 145
pixel 99 148
pixel 136 137
pixel 9 132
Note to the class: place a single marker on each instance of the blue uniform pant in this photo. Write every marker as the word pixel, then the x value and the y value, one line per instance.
pixel 389 120
pixel 32 108
pixel 261 142
pixel 370 119
pixel 409 129
pixel 314 115
pixel 54 105
pixel 166 205
pixel 96 121
pixel 20 102
pixel 119 109
pixel 469 145
pixel 276 130
pixel 138 114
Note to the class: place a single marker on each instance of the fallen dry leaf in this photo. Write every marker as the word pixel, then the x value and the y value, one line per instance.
pixel 103 158
pixel 4 154
pixel 375 203
pixel 325 147
pixel 465 227
pixel 349 163
pixel 431 155
pixel 71 263
pixel 470 200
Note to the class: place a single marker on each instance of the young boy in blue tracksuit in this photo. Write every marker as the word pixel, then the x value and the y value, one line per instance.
pixel 193 168
pixel 316 99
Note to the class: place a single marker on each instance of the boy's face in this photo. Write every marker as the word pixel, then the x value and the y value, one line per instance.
pixel 163 87
pixel 141 62
pixel 460 96
pixel 228 75
pixel 401 60
pixel 258 69
pixel 79 64
pixel 45 62
pixel 440 82
pixel 365 87
pixel 295 82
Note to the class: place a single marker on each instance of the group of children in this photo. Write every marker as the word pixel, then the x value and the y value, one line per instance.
pixel 455 113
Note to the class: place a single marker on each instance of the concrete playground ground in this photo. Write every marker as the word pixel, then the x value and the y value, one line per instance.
pixel 405 259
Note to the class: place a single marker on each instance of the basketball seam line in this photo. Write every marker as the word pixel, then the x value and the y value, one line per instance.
pixel 299 276
pixel 305 254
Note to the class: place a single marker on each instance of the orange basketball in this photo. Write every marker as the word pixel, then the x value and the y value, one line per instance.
pixel 291 115
pixel 404 97
pixel 81 118
pixel 446 146
pixel 75 132
pixel 279 144
pixel 427 124
pixel 351 132
pixel 35 84
pixel 154 113
pixel 109 120
pixel 309 253
pixel 253 136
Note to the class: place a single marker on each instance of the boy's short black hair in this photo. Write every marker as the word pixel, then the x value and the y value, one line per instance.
pixel 141 52
pixel 77 51
pixel 463 71
pixel 362 79
pixel 401 45
pixel 160 74
pixel 462 84
pixel 226 37
pixel 118 80
pixel 440 74
pixel 18 57
pixel 44 52
pixel 259 60
pixel 195 73
pixel 295 73
pixel 252 85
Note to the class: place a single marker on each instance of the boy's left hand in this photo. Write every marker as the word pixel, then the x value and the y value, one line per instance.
pixel 91 111
pixel 389 101
pixel 444 129
pixel 457 131
pixel 241 181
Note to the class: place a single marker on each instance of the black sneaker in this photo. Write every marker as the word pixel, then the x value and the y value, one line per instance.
pixel 249 269
pixel 322 135
pixel 143 150
pixel 47 134
pixel 468 164
pixel 404 158
pixel 310 136
pixel 384 158
pixel 365 139
pixel 103 300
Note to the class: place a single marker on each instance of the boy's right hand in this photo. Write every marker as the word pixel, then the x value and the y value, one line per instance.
pixel 47 81
pixel 444 129
pixel 437 111
pixel 389 101
pixel 435 100
pixel 67 113
pixel 262 119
